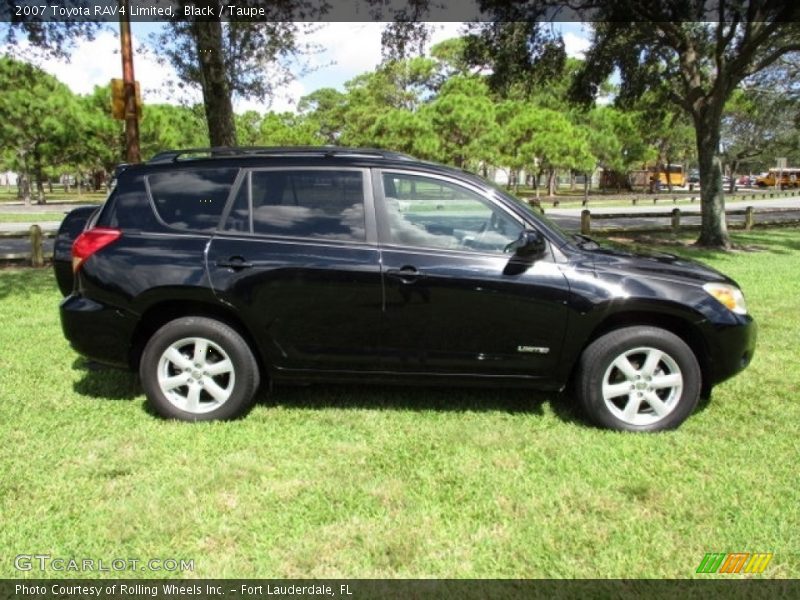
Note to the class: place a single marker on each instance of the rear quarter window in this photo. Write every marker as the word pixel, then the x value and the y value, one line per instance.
pixel 314 203
pixel 191 199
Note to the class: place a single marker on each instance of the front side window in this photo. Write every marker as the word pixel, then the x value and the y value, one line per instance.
pixel 431 213
pixel 191 198
pixel 322 203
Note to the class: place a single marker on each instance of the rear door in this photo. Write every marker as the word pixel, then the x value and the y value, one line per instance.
pixel 296 257
pixel 456 302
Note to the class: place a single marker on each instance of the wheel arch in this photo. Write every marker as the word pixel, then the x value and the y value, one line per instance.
pixel 160 313
pixel 684 328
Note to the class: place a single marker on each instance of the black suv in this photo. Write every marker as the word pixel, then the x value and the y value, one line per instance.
pixel 211 271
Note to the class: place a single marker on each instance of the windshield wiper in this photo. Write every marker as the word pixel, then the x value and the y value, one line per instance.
pixel 585 242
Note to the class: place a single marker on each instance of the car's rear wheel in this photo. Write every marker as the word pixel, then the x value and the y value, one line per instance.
pixel 639 379
pixel 198 369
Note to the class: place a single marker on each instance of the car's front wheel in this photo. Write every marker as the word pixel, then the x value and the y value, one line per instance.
pixel 198 369
pixel 639 379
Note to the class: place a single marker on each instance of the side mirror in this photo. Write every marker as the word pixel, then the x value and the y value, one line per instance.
pixel 529 244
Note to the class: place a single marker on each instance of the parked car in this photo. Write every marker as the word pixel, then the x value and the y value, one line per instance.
pixel 211 272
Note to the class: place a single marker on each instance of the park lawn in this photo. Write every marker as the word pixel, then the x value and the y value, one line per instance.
pixel 31 217
pixel 348 481
pixel 85 197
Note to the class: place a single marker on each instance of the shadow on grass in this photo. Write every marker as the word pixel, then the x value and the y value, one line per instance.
pixel 26 282
pixel 421 398
pixel 105 383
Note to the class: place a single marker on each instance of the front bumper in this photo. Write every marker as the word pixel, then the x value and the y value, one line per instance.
pixel 732 348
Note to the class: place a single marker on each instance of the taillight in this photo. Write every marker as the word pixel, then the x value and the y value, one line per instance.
pixel 89 242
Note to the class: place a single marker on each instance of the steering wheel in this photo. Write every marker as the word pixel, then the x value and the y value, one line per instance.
pixel 491 224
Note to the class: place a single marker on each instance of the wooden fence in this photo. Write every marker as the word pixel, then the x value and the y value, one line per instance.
pixel 35 237
pixel 749 214
pixel 660 198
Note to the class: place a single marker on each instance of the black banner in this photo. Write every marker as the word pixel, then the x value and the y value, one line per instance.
pixel 85 11
pixel 359 589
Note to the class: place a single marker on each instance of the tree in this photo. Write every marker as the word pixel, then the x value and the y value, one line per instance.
pixel 398 84
pixel 761 121
pixel 171 126
pixel 248 127
pixel 287 129
pixel 517 50
pixel 98 144
pixel 326 107
pixel 37 116
pixel 674 48
pixel 406 131
pixel 668 132
pixel 545 140
pixel 55 37
pixel 616 141
pixel 245 59
pixel 462 116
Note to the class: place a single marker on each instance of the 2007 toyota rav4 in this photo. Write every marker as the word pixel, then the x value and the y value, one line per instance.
pixel 211 271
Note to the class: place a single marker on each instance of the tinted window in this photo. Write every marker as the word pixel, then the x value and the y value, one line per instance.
pixel 310 203
pixel 191 198
pixel 436 214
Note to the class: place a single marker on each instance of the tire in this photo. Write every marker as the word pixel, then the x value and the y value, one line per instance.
pixel 224 384
pixel 638 379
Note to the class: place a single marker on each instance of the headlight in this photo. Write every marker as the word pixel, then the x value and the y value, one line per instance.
pixel 729 296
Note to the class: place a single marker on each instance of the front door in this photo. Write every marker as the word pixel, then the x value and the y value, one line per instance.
pixel 456 301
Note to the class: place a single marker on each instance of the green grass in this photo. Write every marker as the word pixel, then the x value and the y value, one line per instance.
pixel 57 195
pixel 31 217
pixel 348 481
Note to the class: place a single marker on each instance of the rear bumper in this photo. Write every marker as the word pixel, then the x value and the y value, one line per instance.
pixel 96 331
pixel 733 349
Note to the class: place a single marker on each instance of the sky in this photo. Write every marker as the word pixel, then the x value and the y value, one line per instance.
pixel 347 50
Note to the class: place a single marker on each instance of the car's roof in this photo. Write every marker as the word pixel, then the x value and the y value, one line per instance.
pixel 273 151
pixel 312 156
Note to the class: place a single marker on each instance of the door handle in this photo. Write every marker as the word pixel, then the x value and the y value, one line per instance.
pixel 235 263
pixel 406 274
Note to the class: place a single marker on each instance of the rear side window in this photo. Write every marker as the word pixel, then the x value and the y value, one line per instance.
pixel 321 203
pixel 191 198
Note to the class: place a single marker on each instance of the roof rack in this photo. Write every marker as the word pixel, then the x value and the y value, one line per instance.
pixel 171 156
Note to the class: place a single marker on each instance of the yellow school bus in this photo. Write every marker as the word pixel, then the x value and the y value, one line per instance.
pixel 790 178
pixel 677 175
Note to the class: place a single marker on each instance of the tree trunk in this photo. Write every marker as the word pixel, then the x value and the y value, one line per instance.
pixel 551 183
pixel 214 81
pixel 734 167
pixel 24 188
pixel 714 229
pixel 38 172
pixel 667 173
pixel 586 187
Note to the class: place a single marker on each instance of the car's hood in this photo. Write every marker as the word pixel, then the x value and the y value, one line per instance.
pixel 658 265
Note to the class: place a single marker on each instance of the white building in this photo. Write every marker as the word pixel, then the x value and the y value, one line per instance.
pixel 8 178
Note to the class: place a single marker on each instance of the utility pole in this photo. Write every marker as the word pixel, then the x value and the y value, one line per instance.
pixel 133 155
